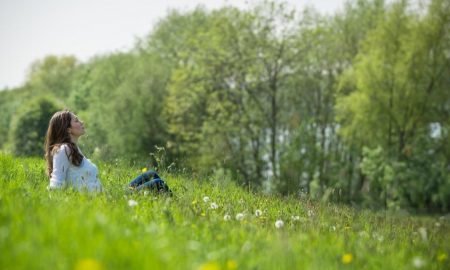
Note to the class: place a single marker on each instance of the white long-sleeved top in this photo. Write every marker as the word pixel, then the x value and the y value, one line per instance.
pixel 65 174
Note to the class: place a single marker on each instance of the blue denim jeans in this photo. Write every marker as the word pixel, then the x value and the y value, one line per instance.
pixel 149 180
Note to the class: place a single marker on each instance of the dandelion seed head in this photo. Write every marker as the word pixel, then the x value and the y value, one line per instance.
pixel 246 247
pixel 363 234
pixel 423 233
pixel 194 245
pixel 226 217
pixel 132 203
pixel 378 237
pixel 279 224
pixel 239 216
pixel 206 199
pixel 258 212
pixel 214 205
pixel 418 262
pixel 101 219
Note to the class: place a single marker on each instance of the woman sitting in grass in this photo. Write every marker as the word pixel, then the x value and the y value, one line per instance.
pixel 68 167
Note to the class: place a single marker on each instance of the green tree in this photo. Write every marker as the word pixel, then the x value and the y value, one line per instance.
pixel 53 75
pixel 312 150
pixel 399 83
pixel 30 125
pixel 397 80
pixel 226 93
pixel 120 97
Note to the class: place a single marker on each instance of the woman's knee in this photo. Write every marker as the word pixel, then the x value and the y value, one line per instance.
pixel 151 174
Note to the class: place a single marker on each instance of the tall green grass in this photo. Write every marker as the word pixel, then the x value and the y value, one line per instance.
pixel 42 229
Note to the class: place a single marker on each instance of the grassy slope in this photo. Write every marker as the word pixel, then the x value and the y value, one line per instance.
pixel 67 230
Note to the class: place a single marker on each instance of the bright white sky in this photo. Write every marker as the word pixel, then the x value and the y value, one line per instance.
pixel 32 29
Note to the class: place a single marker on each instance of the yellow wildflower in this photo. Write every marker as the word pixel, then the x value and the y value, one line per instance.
pixel 210 266
pixel 442 257
pixel 144 169
pixel 231 265
pixel 347 258
pixel 88 264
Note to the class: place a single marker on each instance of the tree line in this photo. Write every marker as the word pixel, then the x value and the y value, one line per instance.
pixel 351 107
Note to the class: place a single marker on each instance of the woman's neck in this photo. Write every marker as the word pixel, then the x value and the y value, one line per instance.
pixel 74 139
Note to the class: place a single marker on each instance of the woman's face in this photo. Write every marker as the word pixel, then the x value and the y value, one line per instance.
pixel 76 127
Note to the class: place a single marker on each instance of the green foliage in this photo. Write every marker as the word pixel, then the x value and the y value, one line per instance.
pixel 29 126
pixel 226 92
pixel 117 230
pixel 378 187
pixel 395 78
pixel 53 75
pixel 420 181
pixel 398 84
pixel 297 164
pixel 288 102
pixel 120 97
pixel 6 107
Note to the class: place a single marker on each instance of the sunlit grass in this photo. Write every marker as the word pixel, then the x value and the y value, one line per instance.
pixel 205 225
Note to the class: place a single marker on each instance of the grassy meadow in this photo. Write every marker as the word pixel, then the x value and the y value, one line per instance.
pixel 207 224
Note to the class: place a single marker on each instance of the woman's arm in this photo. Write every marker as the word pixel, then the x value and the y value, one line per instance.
pixel 61 165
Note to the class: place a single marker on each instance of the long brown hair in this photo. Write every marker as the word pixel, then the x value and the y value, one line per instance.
pixel 58 134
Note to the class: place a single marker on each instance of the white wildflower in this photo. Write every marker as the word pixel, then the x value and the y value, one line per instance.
pixel 258 212
pixel 226 217
pixel 214 205
pixel 295 218
pixel 206 199
pixel 101 219
pixel 279 224
pixel 378 237
pixel 247 246
pixel 363 234
pixel 310 213
pixel 239 216
pixel 418 262
pixel 132 203
pixel 423 233
pixel 194 245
